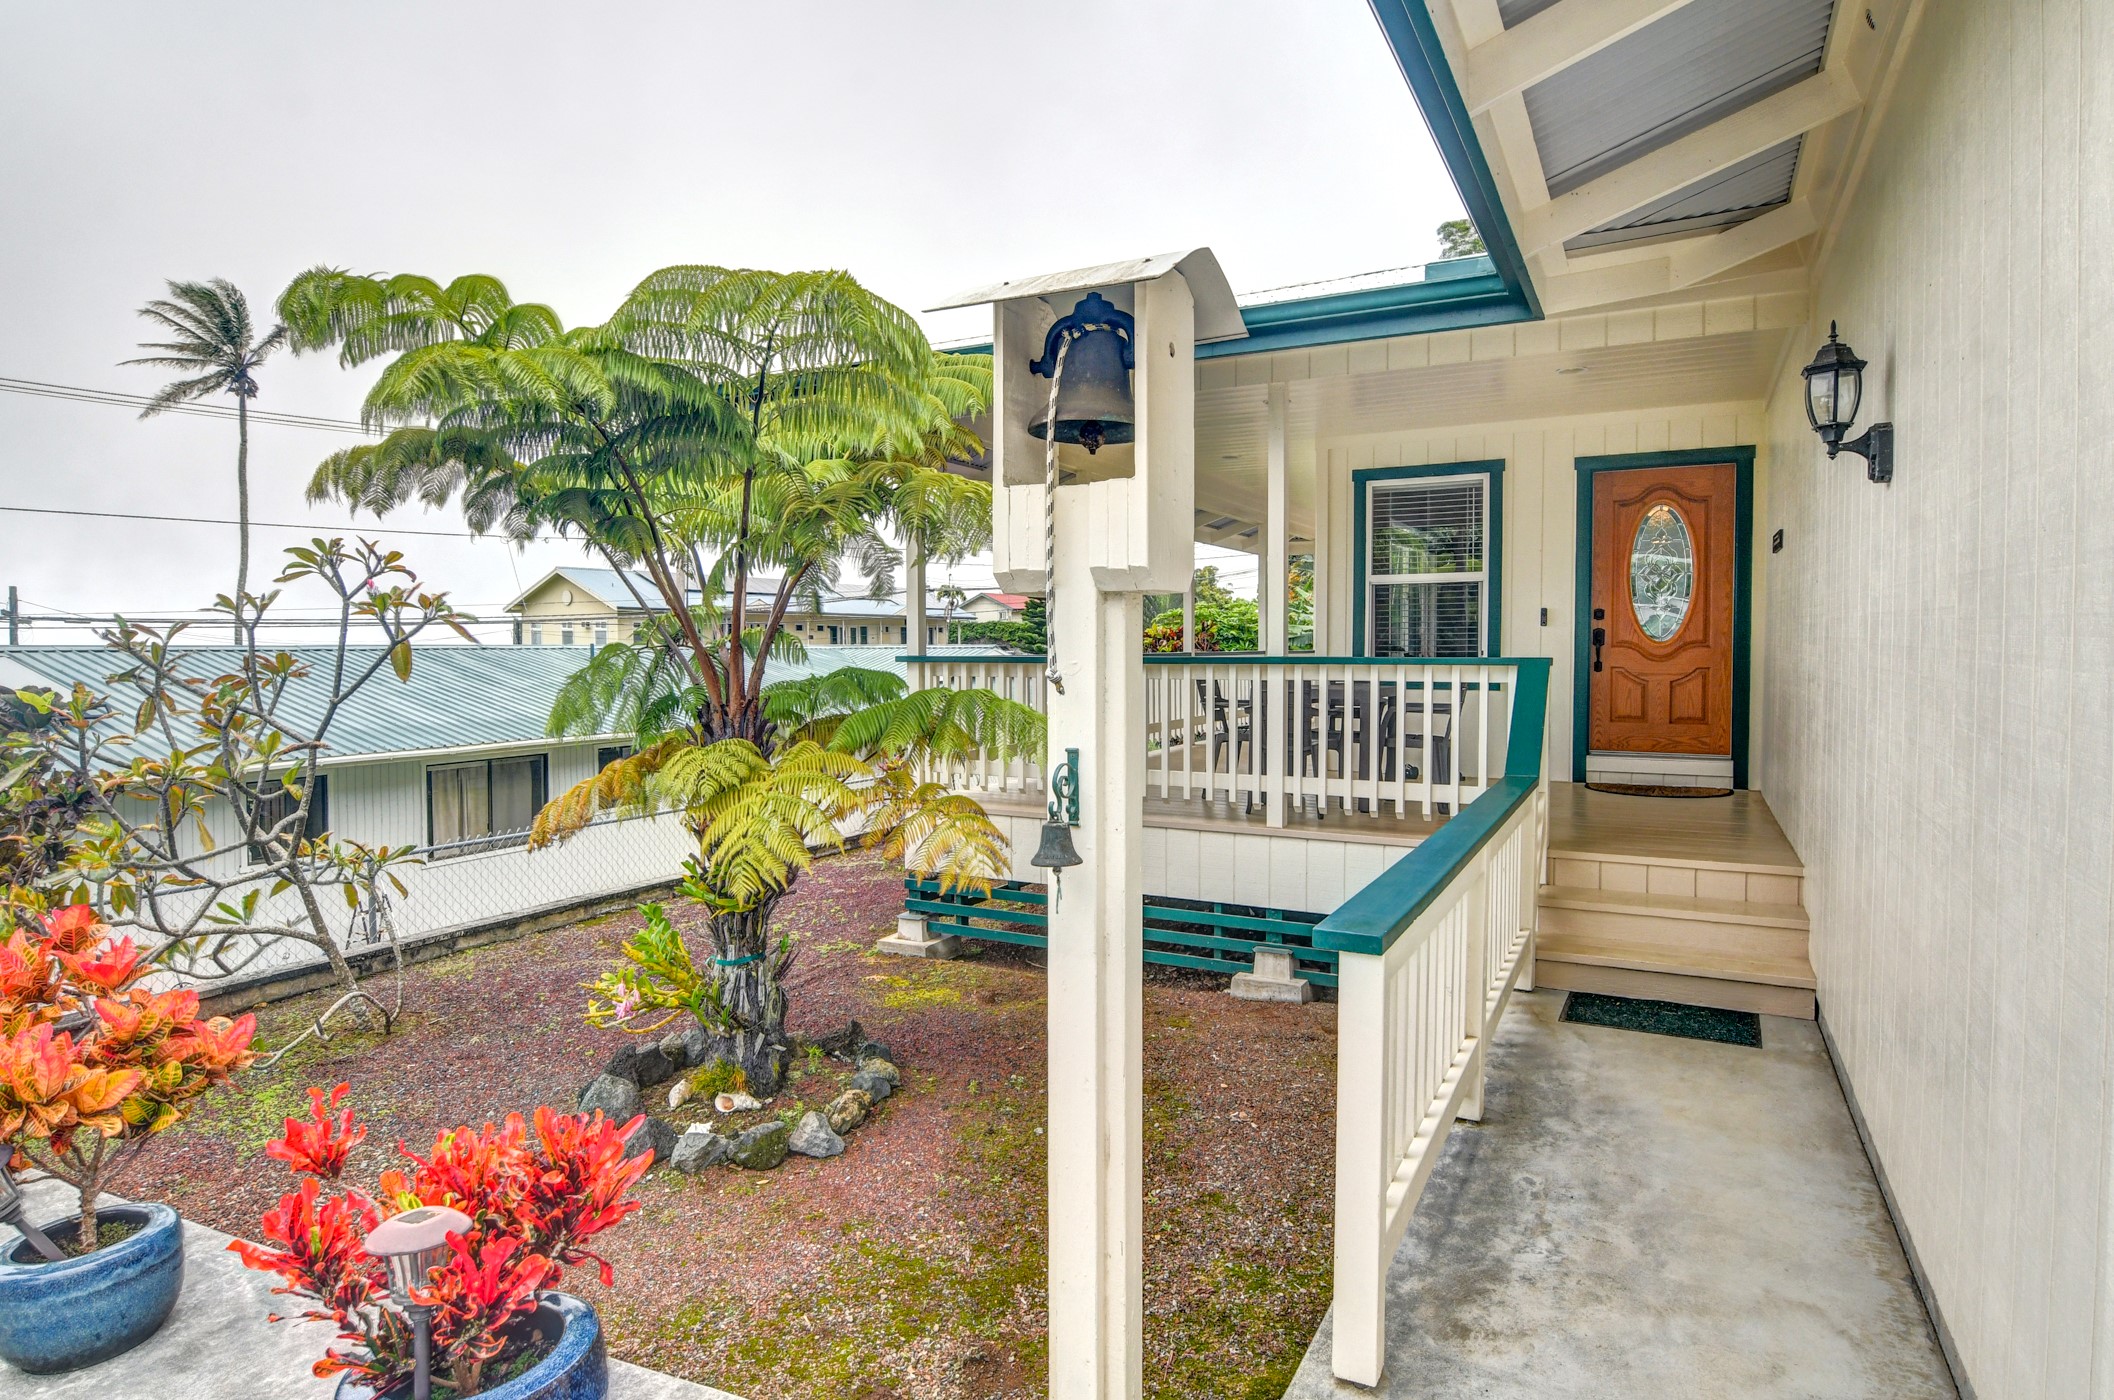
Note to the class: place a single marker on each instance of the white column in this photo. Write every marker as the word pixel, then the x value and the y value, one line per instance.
pixel 914 599
pixel 1276 514
pixel 1326 546
pixel 1189 606
pixel 1096 986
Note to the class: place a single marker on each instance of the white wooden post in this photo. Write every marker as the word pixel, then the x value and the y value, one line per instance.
pixel 1096 987
pixel 1358 1347
pixel 1270 696
pixel 1482 893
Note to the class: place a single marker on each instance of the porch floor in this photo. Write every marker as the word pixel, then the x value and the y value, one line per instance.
pixel 1644 1215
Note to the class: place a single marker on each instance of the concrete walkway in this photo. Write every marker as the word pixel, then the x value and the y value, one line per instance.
pixel 1642 1215
pixel 217 1342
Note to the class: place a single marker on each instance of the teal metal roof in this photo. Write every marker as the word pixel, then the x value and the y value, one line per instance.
pixel 458 697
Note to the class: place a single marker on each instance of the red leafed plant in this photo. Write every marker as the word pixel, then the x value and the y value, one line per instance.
pixel 91 1062
pixel 533 1202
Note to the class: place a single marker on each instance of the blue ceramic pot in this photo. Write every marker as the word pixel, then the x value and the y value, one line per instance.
pixel 576 1369
pixel 73 1313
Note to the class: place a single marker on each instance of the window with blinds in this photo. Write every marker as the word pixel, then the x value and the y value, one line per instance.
pixel 1427 587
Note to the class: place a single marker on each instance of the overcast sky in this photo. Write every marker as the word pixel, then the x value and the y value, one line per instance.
pixel 927 146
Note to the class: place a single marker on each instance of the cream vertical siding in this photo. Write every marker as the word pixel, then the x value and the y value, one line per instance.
pixel 1938 737
pixel 1541 520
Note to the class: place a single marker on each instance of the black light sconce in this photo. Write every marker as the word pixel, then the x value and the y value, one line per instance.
pixel 1834 384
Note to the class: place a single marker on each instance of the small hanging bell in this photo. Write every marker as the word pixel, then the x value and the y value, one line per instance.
pixel 1057 851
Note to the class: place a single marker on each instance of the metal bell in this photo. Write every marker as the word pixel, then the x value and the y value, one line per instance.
pixel 1057 851
pixel 1094 404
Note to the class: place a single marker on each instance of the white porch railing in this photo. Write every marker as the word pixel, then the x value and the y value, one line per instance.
pixel 1285 733
pixel 1429 954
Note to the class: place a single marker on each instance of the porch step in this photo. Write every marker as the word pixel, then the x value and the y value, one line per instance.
pixel 1769 986
pixel 1731 927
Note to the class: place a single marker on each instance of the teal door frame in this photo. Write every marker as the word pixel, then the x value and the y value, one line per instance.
pixel 1741 460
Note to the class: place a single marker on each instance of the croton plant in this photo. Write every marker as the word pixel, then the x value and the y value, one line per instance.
pixel 534 1201
pixel 93 1062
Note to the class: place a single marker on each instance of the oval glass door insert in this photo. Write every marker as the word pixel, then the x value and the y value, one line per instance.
pixel 1662 572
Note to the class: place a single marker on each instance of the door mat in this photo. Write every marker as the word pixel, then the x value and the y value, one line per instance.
pixel 1664 1018
pixel 1658 790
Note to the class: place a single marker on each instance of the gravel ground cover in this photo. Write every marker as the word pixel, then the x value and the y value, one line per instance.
pixel 912 1266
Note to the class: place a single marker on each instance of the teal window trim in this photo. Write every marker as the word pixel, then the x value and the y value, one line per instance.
pixel 1382 912
pixel 1742 461
pixel 1493 546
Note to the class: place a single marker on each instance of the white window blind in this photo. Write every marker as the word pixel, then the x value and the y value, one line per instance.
pixel 1427 542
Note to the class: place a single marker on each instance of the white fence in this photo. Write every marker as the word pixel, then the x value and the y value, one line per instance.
pixel 1385 736
pixel 489 880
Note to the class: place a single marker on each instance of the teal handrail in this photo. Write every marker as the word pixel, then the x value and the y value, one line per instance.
pixel 1372 919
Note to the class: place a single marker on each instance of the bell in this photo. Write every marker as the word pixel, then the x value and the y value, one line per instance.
pixel 1056 851
pixel 1094 404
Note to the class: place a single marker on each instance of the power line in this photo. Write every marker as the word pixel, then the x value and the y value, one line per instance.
pixel 377 528
pixel 74 393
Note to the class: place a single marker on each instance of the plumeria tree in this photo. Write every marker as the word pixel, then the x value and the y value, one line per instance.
pixel 93 1062
pixel 726 426
pixel 202 837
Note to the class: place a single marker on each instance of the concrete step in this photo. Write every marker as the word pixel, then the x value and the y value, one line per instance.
pixel 1720 926
pixel 1772 984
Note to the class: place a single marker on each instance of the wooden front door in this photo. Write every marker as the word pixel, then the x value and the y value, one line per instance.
pixel 1662 623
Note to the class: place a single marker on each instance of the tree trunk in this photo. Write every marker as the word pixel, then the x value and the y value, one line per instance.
pixel 242 507
pixel 746 970
pixel 85 1240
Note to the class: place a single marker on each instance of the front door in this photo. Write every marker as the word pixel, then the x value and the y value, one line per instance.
pixel 1662 624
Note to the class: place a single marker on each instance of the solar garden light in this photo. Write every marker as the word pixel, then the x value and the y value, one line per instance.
pixel 12 1213
pixel 412 1245
pixel 1834 384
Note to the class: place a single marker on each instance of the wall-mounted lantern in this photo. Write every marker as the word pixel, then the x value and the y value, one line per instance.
pixel 1834 385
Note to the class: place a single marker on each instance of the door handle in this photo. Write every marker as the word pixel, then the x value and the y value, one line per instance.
pixel 1600 639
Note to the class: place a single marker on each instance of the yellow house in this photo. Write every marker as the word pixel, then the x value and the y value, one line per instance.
pixel 573 606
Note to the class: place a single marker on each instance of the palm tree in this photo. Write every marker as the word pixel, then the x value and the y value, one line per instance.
pixel 776 422
pixel 954 596
pixel 217 347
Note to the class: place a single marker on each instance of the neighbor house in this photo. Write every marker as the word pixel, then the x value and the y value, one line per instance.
pixel 1576 515
pixel 572 606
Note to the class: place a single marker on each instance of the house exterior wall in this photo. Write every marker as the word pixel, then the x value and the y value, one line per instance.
pixel 1939 679
pixel 1540 523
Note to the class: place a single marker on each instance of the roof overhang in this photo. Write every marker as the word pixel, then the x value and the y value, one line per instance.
pixel 1218 316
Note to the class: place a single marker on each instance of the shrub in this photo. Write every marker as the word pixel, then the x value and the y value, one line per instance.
pixel 533 1206
pixel 92 1063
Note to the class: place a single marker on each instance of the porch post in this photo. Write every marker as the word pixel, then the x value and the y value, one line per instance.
pixel 1189 606
pixel 1096 984
pixel 1276 500
pixel 914 603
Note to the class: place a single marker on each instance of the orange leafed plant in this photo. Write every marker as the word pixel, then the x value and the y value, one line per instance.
pixel 91 1062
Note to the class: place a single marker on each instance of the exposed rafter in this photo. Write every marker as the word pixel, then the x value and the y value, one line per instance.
pixel 1747 132
pixel 1517 58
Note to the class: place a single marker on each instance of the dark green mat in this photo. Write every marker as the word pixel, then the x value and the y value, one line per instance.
pixel 1664 1018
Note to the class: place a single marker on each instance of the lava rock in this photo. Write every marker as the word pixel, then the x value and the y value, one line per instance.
pixel 651 1067
pixel 764 1068
pixel 616 1096
pixel 874 1050
pixel 699 1048
pixel 883 1068
pixel 761 1147
pixel 813 1137
pixel 654 1135
pixel 872 1085
pixel 701 1148
pixel 848 1110
pixel 624 1064
pixel 841 1043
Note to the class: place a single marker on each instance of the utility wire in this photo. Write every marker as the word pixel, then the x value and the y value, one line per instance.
pixel 378 528
pixel 74 393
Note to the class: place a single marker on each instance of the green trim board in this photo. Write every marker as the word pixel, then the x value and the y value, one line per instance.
pixel 1256 658
pixel 1742 461
pixel 1494 550
pixel 1380 913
